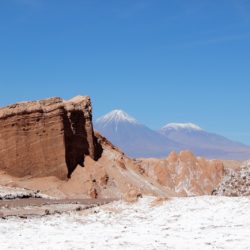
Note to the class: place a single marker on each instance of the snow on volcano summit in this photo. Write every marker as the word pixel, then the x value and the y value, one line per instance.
pixel 116 115
pixel 182 126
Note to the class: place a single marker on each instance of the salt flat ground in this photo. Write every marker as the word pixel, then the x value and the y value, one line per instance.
pixel 207 222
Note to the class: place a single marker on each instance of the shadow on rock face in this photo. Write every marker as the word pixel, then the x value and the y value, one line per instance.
pixel 98 148
pixel 76 140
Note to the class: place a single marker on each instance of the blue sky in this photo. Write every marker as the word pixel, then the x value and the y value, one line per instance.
pixel 159 60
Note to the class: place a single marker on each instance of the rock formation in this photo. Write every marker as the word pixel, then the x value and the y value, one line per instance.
pixel 184 173
pixel 46 138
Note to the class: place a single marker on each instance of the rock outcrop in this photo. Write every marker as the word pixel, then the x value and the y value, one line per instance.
pixel 46 138
pixel 236 182
pixel 184 173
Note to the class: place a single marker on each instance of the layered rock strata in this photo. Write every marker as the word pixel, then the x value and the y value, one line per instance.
pixel 46 138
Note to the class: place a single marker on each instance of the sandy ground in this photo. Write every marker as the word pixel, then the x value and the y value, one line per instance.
pixel 207 222
pixel 31 207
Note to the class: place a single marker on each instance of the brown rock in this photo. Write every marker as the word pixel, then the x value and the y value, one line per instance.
pixel 47 137
pixel 158 202
pixel 93 193
pixel 186 156
pixel 132 195
pixel 184 173
pixel 173 156
pixel 104 180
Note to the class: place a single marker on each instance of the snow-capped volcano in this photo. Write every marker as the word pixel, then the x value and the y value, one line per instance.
pixel 192 137
pixel 179 126
pixel 137 140
pixel 133 138
pixel 116 115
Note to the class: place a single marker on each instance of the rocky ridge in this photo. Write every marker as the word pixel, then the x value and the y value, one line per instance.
pixel 184 173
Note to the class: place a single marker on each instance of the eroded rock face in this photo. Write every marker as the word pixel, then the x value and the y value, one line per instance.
pixel 184 173
pixel 46 138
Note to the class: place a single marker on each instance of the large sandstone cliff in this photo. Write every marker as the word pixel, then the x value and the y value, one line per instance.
pixel 47 137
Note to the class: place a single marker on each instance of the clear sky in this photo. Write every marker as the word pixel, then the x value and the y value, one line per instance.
pixel 159 60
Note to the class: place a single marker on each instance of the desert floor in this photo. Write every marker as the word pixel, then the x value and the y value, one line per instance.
pixel 207 222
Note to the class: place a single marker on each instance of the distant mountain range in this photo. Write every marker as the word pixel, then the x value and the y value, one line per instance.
pixel 137 140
